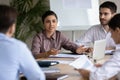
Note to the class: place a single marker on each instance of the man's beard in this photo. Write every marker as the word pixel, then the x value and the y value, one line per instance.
pixel 104 22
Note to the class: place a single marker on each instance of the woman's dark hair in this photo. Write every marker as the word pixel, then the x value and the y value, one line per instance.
pixel 108 4
pixel 8 17
pixel 48 13
pixel 115 22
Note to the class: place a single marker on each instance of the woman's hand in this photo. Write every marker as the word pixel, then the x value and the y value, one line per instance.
pixel 53 51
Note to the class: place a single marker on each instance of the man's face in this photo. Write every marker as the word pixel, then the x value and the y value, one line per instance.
pixel 105 15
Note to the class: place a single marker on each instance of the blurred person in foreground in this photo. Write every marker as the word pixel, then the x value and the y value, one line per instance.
pixel 15 57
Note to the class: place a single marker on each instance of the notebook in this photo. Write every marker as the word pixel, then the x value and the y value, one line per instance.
pixel 99 49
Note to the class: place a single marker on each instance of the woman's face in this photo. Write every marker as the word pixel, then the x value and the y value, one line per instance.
pixel 115 34
pixel 50 23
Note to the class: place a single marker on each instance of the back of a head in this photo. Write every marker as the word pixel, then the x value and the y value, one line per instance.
pixel 115 22
pixel 8 17
pixel 111 5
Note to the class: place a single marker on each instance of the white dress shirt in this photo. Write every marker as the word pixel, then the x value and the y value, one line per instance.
pixel 96 32
pixel 15 57
pixel 109 68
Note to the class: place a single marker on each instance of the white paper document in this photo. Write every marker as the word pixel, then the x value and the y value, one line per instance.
pixel 83 63
pixel 50 69
pixel 67 55
pixel 109 51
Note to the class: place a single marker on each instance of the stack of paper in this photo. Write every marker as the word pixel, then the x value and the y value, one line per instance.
pixel 67 55
pixel 50 69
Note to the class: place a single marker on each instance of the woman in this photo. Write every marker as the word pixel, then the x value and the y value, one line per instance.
pixel 50 41
pixel 112 66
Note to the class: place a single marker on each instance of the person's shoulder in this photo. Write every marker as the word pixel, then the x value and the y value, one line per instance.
pixel 59 33
pixel 17 43
pixel 39 35
pixel 96 26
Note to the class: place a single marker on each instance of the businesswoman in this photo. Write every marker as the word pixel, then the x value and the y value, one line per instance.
pixel 50 41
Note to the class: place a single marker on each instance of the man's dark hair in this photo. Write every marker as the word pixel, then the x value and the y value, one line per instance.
pixel 8 16
pixel 115 22
pixel 111 5
pixel 48 13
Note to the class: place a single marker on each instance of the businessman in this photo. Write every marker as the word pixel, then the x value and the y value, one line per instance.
pixel 15 57
pixel 101 31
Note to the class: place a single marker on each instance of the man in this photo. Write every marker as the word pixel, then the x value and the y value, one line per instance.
pixel 112 66
pixel 15 58
pixel 106 11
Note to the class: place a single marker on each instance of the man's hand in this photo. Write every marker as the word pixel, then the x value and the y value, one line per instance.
pixel 84 73
pixel 98 65
pixel 83 49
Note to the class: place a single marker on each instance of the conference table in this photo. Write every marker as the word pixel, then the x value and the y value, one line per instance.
pixel 65 68
pixel 69 70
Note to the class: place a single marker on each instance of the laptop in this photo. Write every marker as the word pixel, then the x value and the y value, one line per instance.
pixel 99 49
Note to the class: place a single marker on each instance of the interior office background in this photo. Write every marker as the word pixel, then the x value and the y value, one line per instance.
pixel 69 33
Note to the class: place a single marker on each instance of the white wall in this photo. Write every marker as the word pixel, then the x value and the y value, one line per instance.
pixel 78 33
pixel 76 16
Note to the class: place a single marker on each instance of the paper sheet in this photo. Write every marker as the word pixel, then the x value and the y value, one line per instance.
pixel 83 63
pixel 109 51
pixel 67 55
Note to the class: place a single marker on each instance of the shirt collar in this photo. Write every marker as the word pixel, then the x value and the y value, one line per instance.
pixel 53 36
pixel 2 35
pixel 102 28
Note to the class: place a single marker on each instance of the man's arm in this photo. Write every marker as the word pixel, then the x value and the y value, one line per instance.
pixel 29 66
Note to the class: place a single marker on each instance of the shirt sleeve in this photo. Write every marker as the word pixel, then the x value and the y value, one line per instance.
pixel 29 67
pixel 36 43
pixel 108 70
pixel 86 37
pixel 68 45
